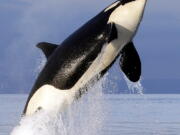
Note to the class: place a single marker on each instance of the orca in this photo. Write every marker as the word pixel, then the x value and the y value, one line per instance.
pixel 87 54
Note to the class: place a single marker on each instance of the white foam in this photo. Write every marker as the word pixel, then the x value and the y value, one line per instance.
pixel 41 123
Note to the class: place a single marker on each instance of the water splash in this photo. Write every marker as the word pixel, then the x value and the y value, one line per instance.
pixel 41 123
pixel 41 61
pixel 84 117
pixel 134 87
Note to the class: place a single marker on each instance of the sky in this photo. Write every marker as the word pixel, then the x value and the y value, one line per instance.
pixel 25 23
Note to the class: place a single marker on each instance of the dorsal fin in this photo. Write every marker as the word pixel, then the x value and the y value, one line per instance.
pixel 47 48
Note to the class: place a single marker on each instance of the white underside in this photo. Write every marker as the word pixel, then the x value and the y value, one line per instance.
pixel 50 99
pixel 126 19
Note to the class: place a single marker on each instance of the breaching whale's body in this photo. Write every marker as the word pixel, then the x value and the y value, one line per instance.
pixel 87 53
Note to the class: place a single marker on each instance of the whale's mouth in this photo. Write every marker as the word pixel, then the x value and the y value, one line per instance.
pixel 123 2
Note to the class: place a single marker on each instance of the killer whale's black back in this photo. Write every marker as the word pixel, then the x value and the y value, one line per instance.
pixel 73 57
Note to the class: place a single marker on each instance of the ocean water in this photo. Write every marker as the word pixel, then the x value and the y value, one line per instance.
pixel 96 114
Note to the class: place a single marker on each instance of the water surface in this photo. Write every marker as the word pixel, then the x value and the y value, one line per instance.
pixel 110 114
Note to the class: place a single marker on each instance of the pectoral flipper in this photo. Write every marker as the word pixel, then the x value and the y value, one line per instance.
pixel 130 62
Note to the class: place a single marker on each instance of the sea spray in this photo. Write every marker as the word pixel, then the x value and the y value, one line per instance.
pixel 134 87
pixel 41 123
pixel 84 117
pixel 41 61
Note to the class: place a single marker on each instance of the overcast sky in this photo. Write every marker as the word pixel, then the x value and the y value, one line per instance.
pixel 25 23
